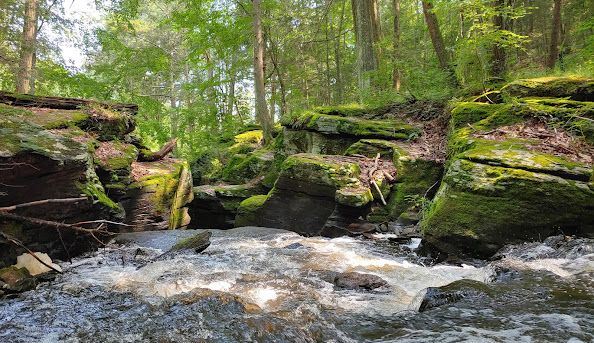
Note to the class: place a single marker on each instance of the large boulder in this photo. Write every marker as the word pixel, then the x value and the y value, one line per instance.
pixel 518 172
pixel 314 195
pixel 575 88
pixel 37 164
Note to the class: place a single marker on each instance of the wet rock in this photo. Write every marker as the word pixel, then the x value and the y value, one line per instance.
pixel 452 293
pixel 354 280
pixel 196 243
pixel 16 280
pixel 295 245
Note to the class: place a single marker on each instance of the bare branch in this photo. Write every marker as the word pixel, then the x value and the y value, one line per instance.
pixel 42 202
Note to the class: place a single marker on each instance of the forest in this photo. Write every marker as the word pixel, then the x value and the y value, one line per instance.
pixel 201 70
pixel 296 171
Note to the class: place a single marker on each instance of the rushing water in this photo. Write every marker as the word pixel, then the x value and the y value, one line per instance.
pixel 264 285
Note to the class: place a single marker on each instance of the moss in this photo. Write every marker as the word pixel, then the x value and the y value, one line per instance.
pixel 348 110
pixel 354 197
pixel 318 170
pixel 246 212
pixel 13 111
pixel 481 207
pixel 95 190
pixel 117 155
pixel 197 241
pixel 17 136
pixel 353 126
pixel 183 195
pixel 416 180
pixel 576 88
pixel 505 155
pixel 243 168
pixel 107 124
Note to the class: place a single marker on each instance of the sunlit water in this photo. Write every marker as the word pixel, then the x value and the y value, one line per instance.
pixel 259 285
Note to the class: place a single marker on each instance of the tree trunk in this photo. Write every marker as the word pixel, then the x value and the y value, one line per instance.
pixel 437 40
pixel 28 44
pixel 366 35
pixel 262 114
pixel 396 42
pixel 337 59
pixel 555 34
pixel 499 62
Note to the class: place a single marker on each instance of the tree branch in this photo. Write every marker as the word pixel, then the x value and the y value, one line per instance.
pixel 41 202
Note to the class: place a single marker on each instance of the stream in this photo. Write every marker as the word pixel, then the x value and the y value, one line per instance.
pixel 267 285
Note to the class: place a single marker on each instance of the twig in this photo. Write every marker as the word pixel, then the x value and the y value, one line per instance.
pixel 41 202
pixel 430 188
pixel 20 244
pixel 101 221
pixel 379 192
pixel 388 176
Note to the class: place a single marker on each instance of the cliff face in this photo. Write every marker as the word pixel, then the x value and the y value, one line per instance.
pixel 58 148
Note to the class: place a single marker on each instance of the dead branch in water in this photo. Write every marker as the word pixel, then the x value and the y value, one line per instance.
pixel 29 251
pixel 149 156
pixel 42 202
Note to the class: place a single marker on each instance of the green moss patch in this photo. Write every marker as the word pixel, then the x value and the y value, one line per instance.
pixel 576 88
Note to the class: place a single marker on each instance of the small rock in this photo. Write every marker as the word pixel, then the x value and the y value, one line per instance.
pixel 354 280
pixel 295 245
pixel 198 242
pixel 452 293
pixel 15 280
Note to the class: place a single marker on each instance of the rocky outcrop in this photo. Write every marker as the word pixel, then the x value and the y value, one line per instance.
pixel 314 195
pixel 519 171
pixel 57 148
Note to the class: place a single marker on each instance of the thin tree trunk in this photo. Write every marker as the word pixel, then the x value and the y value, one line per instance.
pixel 396 41
pixel 28 45
pixel 499 62
pixel 261 107
pixel 337 59
pixel 555 35
pixel 272 98
pixel 437 40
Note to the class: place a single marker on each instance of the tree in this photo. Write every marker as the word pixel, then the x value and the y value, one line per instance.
pixel 367 35
pixel 396 43
pixel 261 107
pixel 437 39
pixel 555 34
pixel 25 81
pixel 499 61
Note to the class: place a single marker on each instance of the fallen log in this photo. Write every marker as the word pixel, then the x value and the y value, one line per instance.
pixel 146 155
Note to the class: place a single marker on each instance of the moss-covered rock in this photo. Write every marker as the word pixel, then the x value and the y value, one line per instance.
pixel 114 166
pixel 247 210
pixel 481 207
pixel 351 126
pixel 372 147
pixel 312 193
pixel 304 141
pixel 576 88
pixel 215 207
pixel 16 280
pixel 417 180
pixel 158 196
pixel 242 168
